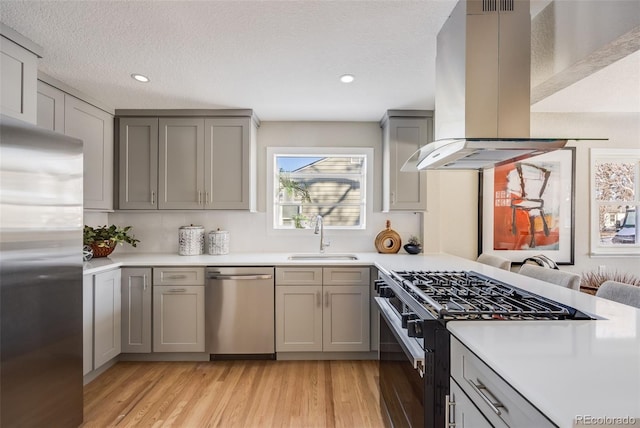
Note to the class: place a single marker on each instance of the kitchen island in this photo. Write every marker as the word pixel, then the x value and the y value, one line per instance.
pixel 572 371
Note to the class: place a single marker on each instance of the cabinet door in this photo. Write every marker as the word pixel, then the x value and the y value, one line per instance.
pixel 106 317
pixel 298 318
pixel 464 413
pixel 402 138
pixel 50 107
pixel 227 166
pixel 87 324
pixel 95 128
pixel 138 163
pixel 136 310
pixel 18 81
pixel 181 167
pixel 178 318
pixel 346 318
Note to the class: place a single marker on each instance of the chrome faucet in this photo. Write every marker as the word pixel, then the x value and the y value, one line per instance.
pixel 320 229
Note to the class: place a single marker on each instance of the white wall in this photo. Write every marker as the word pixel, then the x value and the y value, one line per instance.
pixel 456 193
pixel 249 232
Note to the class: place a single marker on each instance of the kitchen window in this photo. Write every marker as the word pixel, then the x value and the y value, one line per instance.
pixel 307 182
pixel 615 209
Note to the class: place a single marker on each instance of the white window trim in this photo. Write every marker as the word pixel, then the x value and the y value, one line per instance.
pixel 596 155
pixel 318 152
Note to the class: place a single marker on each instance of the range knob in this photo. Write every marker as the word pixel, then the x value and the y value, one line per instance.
pixel 385 291
pixel 406 316
pixel 377 284
pixel 414 328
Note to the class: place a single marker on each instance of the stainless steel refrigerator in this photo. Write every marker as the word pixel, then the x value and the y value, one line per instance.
pixel 40 277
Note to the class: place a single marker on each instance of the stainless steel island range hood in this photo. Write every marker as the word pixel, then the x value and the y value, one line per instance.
pixel 483 75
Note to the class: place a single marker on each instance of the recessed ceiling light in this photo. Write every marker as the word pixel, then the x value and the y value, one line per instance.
pixel 140 78
pixel 347 78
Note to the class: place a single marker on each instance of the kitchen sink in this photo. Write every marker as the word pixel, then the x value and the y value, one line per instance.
pixel 320 256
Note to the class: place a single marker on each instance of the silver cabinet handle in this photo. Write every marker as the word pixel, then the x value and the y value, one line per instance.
pixel 177 290
pixel 479 387
pixel 449 410
pixel 199 198
pixel 176 276
pixel 326 299
pixel 206 198
pixel 319 298
pixel 153 197
pixel 144 282
pixel 231 277
pixel 393 197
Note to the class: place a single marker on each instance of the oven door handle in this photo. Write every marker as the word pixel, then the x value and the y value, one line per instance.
pixel 412 350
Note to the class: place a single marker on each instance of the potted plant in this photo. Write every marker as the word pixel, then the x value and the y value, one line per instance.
pixel 413 245
pixel 299 221
pixel 103 239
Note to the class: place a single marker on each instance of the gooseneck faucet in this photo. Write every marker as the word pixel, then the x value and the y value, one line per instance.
pixel 320 229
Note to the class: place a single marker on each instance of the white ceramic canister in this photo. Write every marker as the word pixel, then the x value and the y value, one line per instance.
pixel 218 242
pixel 190 240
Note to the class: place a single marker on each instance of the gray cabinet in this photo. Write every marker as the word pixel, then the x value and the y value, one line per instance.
pixel 138 163
pixel 404 132
pixel 106 317
pixel 18 80
pixel 178 310
pixel 136 310
pixel 322 309
pixel 87 324
pixel 95 128
pixel 50 107
pixel 187 163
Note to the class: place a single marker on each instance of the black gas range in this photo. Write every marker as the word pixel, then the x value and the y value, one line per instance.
pixel 414 341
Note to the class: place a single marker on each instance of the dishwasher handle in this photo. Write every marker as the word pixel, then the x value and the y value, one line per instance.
pixel 251 276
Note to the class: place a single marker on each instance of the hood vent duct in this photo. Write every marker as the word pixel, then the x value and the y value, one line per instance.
pixel 483 88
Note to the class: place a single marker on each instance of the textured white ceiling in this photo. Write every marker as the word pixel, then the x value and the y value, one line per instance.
pixel 280 58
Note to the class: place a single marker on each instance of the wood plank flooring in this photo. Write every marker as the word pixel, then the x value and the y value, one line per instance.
pixel 241 394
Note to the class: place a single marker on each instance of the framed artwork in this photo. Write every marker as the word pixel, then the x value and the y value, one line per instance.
pixel 526 208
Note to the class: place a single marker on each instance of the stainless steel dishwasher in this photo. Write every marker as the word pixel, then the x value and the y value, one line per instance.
pixel 240 312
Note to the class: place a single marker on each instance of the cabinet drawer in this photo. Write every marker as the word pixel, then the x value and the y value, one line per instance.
pixel 345 276
pixel 496 399
pixel 178 276
pixel 299 276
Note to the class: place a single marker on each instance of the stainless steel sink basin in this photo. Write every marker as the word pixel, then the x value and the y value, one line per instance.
pixel 323 257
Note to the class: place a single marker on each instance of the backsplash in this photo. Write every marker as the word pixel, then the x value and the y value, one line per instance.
pixel 249 232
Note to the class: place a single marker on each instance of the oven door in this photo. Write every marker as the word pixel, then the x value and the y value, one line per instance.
pixel 401 373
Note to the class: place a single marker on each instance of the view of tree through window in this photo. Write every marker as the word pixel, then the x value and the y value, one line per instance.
pixel 330 186
pixel 616 197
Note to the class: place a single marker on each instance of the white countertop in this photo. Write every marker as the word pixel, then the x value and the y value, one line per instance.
pixel 564 368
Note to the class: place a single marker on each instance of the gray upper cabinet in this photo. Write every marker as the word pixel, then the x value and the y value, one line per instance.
pixel 404 132
pixel 202 162
pixel 95 128
pixel 138 162
pixel 18 81
pixel 50 107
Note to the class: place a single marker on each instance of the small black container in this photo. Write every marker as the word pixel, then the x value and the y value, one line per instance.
pixel 412 249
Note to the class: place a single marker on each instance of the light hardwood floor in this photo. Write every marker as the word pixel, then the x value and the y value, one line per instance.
pixel 241 394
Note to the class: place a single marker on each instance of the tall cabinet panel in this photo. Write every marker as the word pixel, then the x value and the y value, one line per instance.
pixel 18 80
pixel 138 162
pixel 404 132
pixel 50 107
pixel 95 128
pixel 136 310
pixel 106 317
pixel 228 163
pixel 181 166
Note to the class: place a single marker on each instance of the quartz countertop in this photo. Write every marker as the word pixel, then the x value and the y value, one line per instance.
pixel 566 369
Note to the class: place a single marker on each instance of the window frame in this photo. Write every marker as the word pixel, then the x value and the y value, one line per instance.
pixel 612 155
pixel 367 183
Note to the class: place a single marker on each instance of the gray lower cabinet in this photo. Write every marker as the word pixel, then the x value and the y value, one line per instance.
pixel 322 309
pixel 186 163
pixel 87 324
pixel 136 310
pixel 178 309
pixel 18 80
pixel 404 132
pixel 95 128
pixel 478 388
pixel 138 163
pixel 106 316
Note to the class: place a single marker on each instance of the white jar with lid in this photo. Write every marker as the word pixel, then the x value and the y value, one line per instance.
pixel 218 242
pixel 190 240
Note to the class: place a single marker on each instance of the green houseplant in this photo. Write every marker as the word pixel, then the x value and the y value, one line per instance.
pixel 103 239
